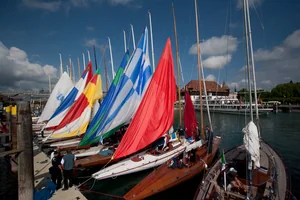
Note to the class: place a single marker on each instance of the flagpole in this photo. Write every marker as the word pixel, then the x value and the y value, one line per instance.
pixel 111 59
pixel 133 39
pixel 83 60
pixel 61 66
pixel 151 38
pixel 125 46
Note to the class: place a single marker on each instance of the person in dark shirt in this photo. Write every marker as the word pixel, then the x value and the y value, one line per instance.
pixel 56 175
pixel 67 165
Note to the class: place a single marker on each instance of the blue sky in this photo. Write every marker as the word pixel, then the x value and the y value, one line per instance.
pixel 34 32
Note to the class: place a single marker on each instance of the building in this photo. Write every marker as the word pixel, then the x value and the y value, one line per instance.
pixel 213 89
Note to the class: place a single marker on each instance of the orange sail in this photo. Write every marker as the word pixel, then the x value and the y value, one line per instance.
pixel 155 114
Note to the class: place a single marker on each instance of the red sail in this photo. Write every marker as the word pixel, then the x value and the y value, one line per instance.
pixel 189 117
pixel 155 114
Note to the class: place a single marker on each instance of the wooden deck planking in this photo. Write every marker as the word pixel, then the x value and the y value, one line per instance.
pixel 41 176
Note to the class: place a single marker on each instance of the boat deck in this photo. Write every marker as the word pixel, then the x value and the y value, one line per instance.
pixel 41 176
pixel 271 165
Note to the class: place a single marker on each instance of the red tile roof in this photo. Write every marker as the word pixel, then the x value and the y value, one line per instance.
pixel 211 86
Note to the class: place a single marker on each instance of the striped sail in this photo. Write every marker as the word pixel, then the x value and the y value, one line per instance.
pixel 61 89
pixel 133 84
pixel 107 102
pixel 64 107
pixel 78 117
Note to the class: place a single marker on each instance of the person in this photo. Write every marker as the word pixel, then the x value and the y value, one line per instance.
pixel 56 175
pixel 234 182
pixel 67 165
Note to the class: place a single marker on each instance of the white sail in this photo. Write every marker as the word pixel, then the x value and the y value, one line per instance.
pixel 61 89
pixel 251 142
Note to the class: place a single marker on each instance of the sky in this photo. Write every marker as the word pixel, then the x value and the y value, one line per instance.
pixel 34 32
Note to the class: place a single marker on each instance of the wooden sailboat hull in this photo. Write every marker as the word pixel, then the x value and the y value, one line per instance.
pixel 261 178
pixel 94 160
pixel 164 177
pixel 88 152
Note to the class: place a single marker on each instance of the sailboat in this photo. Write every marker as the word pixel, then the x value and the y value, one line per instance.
pixel 75 123
pixel 152 120
pixel 252 170
pixel 196 156
pixel 120 103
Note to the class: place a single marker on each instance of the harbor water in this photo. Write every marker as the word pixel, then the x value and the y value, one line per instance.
pixel 280 130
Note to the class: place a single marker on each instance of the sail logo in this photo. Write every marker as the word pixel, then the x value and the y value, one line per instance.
pixel 60 97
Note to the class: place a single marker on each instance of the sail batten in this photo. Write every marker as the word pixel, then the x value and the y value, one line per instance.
pixel 155 113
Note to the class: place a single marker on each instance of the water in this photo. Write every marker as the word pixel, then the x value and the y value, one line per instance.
pixel 281 131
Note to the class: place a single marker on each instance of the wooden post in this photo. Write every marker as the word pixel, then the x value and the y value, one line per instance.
pixel 8 118
pixel 25 159
pixel 14 139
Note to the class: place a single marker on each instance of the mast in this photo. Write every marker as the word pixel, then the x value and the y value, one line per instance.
pixel 253 66
pixel 68 71
pixel 248 61
pixel 78 68
pixel 125 46
pixel 71 71
pixel 49 76
pixel 89 56
pixel 61 65
pixel 177 64
pixel 105 70
pixel 151 39
pixel 133 40
pixel 199 71
pixel 111 59
pixel 83 60
pixel 95 57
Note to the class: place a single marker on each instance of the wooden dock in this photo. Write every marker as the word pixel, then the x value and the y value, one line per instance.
pixel 42 163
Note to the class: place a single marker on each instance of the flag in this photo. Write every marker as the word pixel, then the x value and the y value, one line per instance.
pixel 223 161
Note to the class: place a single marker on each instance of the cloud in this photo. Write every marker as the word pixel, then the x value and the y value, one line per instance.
pixel 90 28
pixel 51 6
pixel 243 68
pixel 216 62
pixel 91 42
pixel 210 77
pixel 275 54
pixel 252 3
pixel 79 3
pixel 56 5
pixel 216 46
pixel 17 72
pixel 279 64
